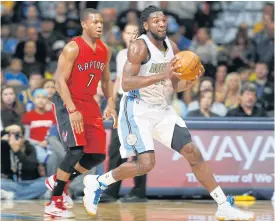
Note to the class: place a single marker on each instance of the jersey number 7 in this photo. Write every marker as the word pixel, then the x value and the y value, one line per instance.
pixel 91 79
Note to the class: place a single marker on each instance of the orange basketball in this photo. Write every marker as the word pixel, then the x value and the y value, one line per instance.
pixel 190 65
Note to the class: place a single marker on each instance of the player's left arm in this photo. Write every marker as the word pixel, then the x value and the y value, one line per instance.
pixel 178 84
pixel 107 88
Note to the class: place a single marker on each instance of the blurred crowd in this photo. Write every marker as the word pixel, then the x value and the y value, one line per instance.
pixel 238 81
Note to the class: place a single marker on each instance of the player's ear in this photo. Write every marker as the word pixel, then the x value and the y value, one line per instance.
pixel 83 24
pixel 145 25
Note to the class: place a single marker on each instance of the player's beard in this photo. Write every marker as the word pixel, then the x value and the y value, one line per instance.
pixel 157 37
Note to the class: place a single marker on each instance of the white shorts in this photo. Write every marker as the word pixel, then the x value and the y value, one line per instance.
pixel 139 123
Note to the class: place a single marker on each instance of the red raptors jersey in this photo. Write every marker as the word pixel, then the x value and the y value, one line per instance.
pixel 87 69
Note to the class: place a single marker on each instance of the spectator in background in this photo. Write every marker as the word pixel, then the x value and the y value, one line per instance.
pixel 37 125
pixel 244 74
pixel 61 17
pixel 21 10
pixel 49 35
pixel 132 17
pixel 30 63
pixel 8 42
pixel 11 109
pixel 263 49
pixel 5 61
pixel 20 179
pixel 240 51
pixel 111 32
pixel 247 107
pixel 52 65
pixel 26 96
pixel 14 76
pixel 73 12
pixel 20 34
pixel 219 84
pixel 175 35
pixel 32 19
pixel 7 11
pixel 264 88
pixel 204 47
pixel 207 83
pixel 129 16
pixel 204 16
pixel 268 10
pixel 49 86
pixel 41 50
pixel 186 12
pixel 232 90
pixel 48 8
pixel 206 99
pixel 72 28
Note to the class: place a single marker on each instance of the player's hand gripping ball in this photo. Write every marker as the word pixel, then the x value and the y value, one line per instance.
pixel 191 67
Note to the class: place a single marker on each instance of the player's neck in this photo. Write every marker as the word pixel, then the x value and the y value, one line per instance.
pixel 158 43
pixel 89 40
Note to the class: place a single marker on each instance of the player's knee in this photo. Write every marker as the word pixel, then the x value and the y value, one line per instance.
pixel 146 165
pixel 73 155
pixel 192 154
pixel 88 161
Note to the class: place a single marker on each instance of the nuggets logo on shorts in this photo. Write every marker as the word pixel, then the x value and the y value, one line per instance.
pixel 131 139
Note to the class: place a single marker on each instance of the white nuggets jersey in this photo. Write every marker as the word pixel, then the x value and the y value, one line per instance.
pixel 139 123
pixel 153 94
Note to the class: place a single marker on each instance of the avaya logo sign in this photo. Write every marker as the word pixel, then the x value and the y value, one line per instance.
pixel 235 147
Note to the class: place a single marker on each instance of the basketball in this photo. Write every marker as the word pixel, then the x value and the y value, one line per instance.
pixel 190 65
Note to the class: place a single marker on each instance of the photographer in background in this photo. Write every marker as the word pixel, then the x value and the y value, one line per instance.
pixel 19 167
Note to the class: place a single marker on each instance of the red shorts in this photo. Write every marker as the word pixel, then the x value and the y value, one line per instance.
pixel 94 136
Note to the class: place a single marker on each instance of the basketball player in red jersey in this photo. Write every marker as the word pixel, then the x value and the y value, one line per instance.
pixel 83 62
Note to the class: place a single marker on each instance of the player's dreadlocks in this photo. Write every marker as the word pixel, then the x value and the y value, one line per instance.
pixel 144 16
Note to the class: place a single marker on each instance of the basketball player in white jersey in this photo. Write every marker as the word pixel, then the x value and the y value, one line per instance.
pixel 145 115
pixel 137 194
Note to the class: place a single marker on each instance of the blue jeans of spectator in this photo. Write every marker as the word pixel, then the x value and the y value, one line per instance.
pixel 26 189
pixel 42 154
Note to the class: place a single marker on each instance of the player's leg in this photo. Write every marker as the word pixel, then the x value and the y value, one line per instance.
pixel 94 151
pixel 95 138
pixel 182 143
pixel 111 194
pixel 136 139
pixel 95 185
pixel 74 143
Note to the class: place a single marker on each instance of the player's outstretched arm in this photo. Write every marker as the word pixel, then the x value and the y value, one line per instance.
pixel 138 53
pixel 64 68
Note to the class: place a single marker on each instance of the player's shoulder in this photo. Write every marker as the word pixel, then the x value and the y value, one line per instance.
pixel 138 48
pixel 104 46
pixel 71 47
pixel 174 46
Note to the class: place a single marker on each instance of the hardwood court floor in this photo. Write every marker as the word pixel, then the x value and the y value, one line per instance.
pixel 154 210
